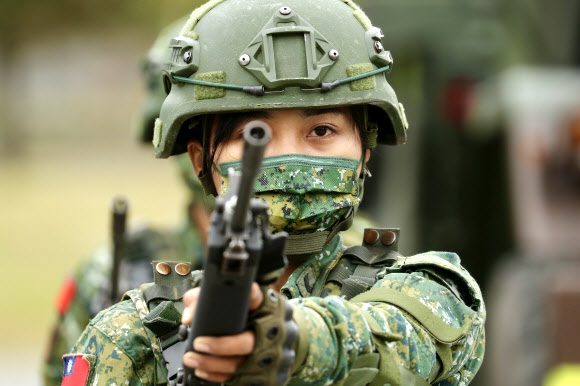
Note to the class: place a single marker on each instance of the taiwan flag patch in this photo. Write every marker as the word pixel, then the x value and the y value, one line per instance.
pixel 76 370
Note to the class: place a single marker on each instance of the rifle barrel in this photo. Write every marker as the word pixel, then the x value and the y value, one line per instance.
pixel 256 136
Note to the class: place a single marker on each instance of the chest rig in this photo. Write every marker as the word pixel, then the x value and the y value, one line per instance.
pixel 356 270
pixel 164 300
pixel 350 277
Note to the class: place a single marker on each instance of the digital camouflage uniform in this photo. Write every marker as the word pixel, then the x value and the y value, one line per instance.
pixel 445 347
pixel 88 289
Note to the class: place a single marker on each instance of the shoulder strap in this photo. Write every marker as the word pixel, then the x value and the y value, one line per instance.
pixel 367 264
pixel 161 293
pixel 363 278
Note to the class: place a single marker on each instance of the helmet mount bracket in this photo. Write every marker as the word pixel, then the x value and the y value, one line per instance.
pixel 273 59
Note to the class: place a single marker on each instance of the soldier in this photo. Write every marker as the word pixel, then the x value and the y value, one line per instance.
pixel 88 291
pixel 365 314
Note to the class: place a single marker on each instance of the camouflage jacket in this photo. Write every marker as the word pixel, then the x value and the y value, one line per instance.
pixel 424 315
pixel 87 292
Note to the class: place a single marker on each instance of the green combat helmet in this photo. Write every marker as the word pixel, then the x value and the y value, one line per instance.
pixel 148 112
pixel 271 57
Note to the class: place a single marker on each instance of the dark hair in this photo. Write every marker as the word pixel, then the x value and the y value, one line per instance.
pixel 229 121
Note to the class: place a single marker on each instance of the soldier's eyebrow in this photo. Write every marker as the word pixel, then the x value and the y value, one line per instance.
pixel 258 114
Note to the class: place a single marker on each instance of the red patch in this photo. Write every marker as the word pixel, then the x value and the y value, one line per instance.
pixel 66 295
pixel 76 370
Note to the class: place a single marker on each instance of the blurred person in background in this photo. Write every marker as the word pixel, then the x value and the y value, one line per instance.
pixel 90 289
pixel 429 332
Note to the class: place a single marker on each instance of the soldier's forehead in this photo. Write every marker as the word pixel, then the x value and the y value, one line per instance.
pixel 266 114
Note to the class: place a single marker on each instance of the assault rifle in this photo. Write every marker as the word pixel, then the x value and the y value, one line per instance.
pixel 239 236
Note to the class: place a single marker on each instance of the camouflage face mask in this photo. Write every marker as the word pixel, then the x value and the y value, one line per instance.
pixel 304 193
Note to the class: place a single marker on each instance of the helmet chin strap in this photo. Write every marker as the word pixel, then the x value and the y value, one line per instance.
pixel 205 176
pixel 300 247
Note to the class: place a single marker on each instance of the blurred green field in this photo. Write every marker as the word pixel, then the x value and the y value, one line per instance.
pixel 54 212
pixel 67 98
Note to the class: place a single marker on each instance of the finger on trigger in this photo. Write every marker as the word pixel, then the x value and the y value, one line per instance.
pixel 256 297
pixel 189 301
pixel 187 316
pixel 191 296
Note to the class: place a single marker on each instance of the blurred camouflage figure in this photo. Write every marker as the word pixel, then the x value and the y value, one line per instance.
pixel 365 314
pixel 88 290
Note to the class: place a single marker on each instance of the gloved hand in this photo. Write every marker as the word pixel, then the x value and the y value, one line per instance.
pixel 263 354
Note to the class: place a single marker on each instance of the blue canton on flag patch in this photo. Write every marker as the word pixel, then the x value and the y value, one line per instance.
pixel 76 372
pixel 69 365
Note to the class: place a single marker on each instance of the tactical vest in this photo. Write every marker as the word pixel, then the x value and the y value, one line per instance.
pixel 160 306
pixel 351 276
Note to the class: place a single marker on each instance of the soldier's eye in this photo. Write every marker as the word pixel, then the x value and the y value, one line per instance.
pixel 322 131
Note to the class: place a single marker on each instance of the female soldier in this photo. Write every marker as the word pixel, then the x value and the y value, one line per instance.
pixel 315 72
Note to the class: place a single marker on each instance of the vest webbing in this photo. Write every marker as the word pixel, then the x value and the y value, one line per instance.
pixel 438 329
pixel 443 333
pixel 364 276
pixel 160 292
pixel 356 285
pixel 380 368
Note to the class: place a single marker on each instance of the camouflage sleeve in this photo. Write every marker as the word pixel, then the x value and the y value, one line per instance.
pixel 121 347
pixel 337 334
pixel 341 330
pixel 64 334
pixel 73 311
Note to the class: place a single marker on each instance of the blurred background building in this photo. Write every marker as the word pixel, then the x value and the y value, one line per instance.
pixel 491 169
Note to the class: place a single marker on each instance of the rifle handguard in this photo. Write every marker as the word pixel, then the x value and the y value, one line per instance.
pixel 273 357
